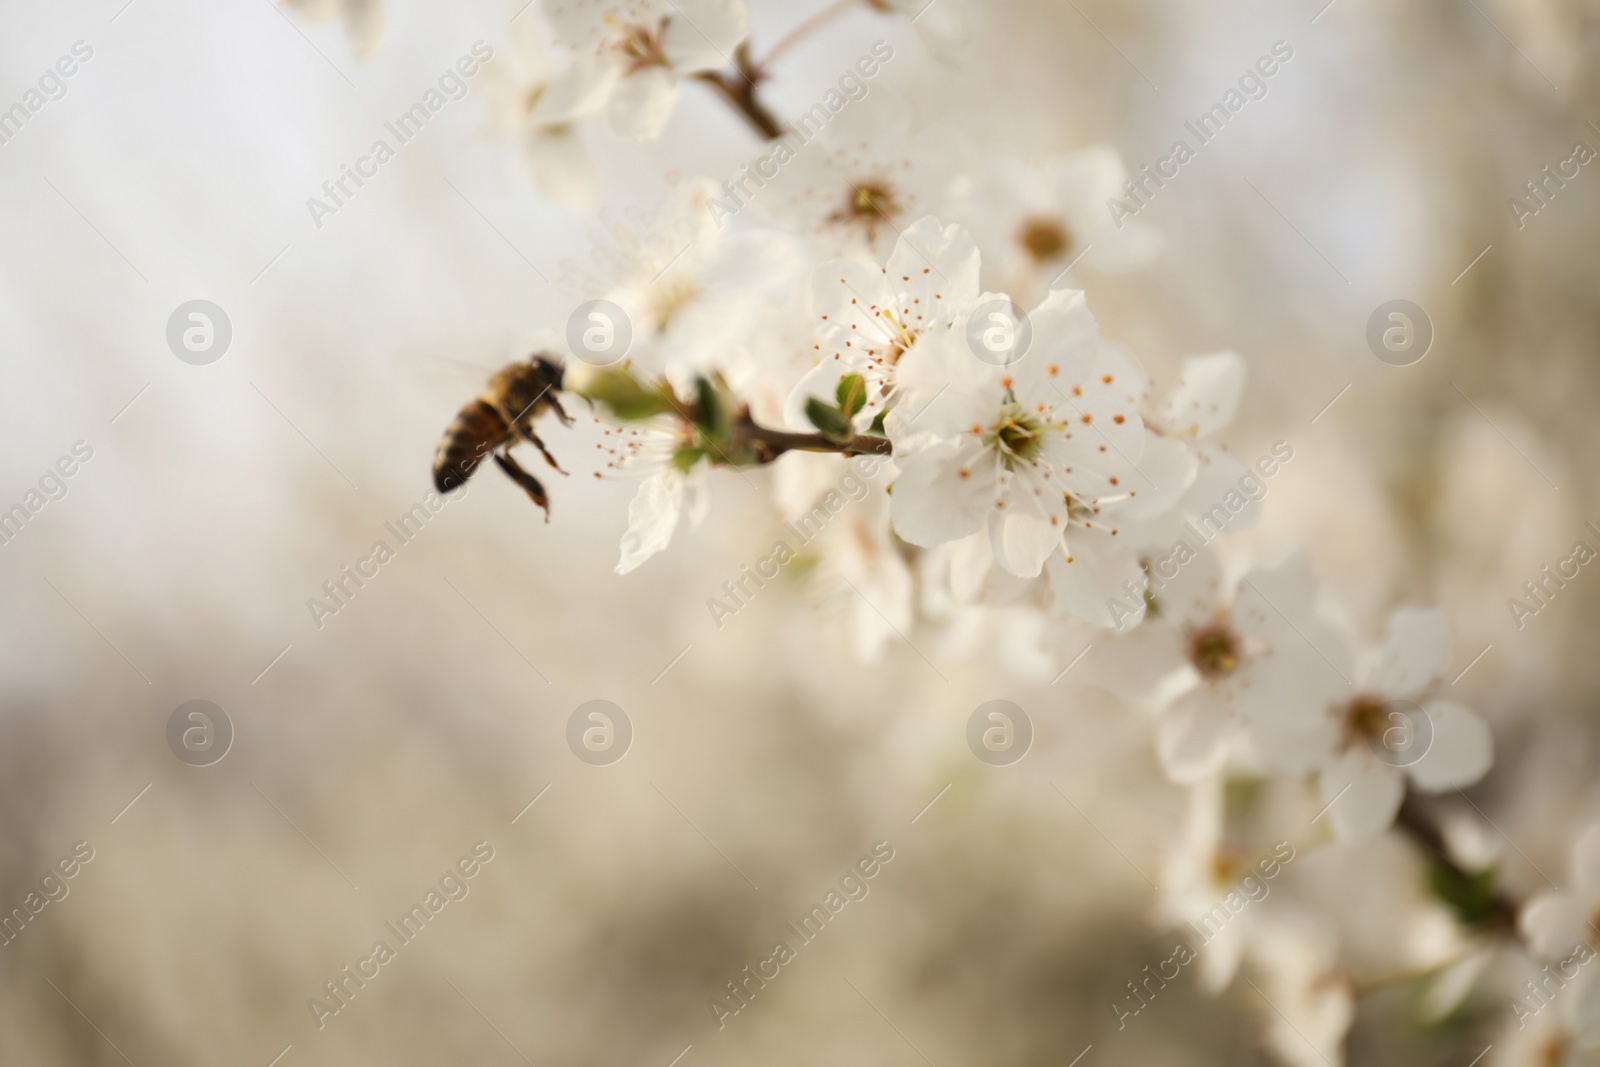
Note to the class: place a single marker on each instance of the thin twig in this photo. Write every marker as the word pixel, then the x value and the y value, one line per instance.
pixel 802 31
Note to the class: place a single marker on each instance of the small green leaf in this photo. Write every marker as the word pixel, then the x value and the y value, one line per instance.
pixel 877 422
pixel 830 420
pixel 624 395
pixel 851 394
pixel 1470 896
pixel 686 457
pixel 711 415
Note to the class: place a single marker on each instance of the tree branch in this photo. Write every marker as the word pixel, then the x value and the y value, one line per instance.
pixel 1490 909
pixel 770 444
pixel 739 88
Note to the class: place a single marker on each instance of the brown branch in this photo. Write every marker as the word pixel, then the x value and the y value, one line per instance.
pixel 739 88
pixel 770 444
pixel 1418 824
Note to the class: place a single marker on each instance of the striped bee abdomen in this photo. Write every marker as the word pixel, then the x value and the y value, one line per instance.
pixel 467 443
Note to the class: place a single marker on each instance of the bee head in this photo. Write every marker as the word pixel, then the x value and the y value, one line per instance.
pixel 549 369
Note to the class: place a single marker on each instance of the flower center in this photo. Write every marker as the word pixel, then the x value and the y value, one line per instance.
pixel 1214 651
pixel 1226 866
pixel 1366 718
pixel 1017 435
pixel 870 204
pixel 1044 238
pixel 642 46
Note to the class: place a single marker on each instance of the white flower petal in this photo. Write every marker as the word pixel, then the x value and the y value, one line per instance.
pixel 1194 736
pixel 1552 923
pixel 849 297
pixel 582 89
pixel 1294 752
pixel 971 560
pixel 934 271
pixel 1159 480
pixel 1287 687
pixel 1365 794
pixel 1022 537
pixel 652 516
pixel 562 168
pixel 1103 584
pixel 642 103
pixel 1138 665
pixel 1206 396
pixel 1461 751
pixel 1225 494
pixel 1417 652
pixel 931 502
pixel 1188 584
pixel 702 34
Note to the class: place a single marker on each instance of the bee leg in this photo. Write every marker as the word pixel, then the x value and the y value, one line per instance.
pixel 529 483
pixel 533 439
pixel 555 405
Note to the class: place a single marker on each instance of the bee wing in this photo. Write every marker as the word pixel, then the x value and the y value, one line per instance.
pixel 444 374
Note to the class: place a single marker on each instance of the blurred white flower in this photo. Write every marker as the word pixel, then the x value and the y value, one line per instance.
pixel 522 108
pixel 857 184
pixel 1305 1000
pixel 1034 220
pixel 1379 738
pixel 631 54
pixel 693 292
pixel 1251 680
pixel 364 20
pixel 940 24
pixel 672 484
pixel 858 558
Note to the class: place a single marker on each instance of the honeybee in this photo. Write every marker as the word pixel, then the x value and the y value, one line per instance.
pixel 500 417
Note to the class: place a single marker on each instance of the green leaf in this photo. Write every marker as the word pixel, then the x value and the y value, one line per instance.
pixel 877 422
pixel 830 420
pixel 624 395
pixel 851 394
pixel 711 413
pixel 1470 896
pixel 686 457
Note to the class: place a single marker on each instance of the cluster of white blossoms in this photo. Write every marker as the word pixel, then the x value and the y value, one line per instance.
pixel 1027 476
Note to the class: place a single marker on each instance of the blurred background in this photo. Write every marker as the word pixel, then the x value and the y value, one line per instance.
pixel 371 752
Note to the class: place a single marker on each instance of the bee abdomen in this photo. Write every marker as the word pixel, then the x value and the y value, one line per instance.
pixel 468 441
